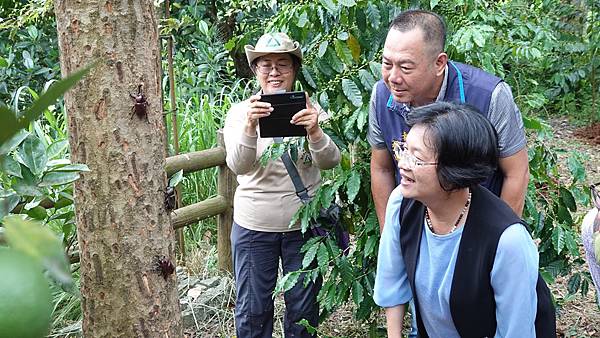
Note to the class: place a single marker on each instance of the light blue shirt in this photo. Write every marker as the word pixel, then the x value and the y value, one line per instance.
pixel 513 277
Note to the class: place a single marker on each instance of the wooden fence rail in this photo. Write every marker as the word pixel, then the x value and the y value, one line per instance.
pixel 220 205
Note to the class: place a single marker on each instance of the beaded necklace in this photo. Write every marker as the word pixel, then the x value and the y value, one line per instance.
pixel 462 213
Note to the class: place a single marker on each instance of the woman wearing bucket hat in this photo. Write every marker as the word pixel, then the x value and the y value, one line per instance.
pixel 265 199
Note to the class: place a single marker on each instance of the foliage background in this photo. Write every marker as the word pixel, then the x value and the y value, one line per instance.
pixel 545 49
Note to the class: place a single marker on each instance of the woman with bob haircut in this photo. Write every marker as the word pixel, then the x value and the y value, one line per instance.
pixel 454 247
pixel 265 199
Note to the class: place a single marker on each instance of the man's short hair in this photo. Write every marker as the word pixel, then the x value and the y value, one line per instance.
pixel 432 25
pixel 463 140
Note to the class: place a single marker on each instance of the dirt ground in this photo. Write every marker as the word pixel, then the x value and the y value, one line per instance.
pixel 577 316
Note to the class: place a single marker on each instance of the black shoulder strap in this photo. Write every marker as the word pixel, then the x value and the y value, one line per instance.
pixel 301 191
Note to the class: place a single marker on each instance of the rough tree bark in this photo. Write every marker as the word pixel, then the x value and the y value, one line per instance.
pixel 122 225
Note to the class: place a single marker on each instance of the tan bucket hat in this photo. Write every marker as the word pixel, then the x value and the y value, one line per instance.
pixel 272 43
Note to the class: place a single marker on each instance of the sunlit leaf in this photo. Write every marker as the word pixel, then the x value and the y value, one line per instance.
pixel 54 178
pixel 558 239
pixel 322 48
pixel 78 167
pixel 176 178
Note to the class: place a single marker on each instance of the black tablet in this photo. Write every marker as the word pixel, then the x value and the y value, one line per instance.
pixel 285 105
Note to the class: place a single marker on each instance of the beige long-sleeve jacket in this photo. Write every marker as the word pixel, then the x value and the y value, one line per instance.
pixel 265 199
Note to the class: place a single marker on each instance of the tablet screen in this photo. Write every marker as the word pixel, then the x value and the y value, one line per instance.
pixel 285 105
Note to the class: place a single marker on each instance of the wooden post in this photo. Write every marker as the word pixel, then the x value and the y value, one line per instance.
pixel 225 187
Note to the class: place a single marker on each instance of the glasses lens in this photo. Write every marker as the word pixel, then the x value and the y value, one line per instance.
pixel 595 192
pixel 281 68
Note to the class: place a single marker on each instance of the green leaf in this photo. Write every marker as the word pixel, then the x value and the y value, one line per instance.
pixel 343 52
pixel 558 239
pixel 574 283
pixel 567 198
pixel 57 148
pixel 322 257
pixel 370 246
pixel 347 3
pixel 367 79
pixel 38 213
pixel 330 6
pixel 352 92
pixel 309 256
pixel 375 69
pixel 334 61
pixel 24 188
pixel 576 168
pixel 33 154
pixel 78 167
pixel 40 243
pixel 324 100
pixel 373 15
pixel 323 48
pixel 302 20
pixel 309 79
pixel 3 62
pixel 357 293
pixel 478 38
pixel 532 123
pixel 176 178
pixel 353 185
pixel 54 178
pixel 287 282
pixel 10 166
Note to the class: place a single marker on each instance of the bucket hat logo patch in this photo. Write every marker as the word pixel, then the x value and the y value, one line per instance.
pixel 273 42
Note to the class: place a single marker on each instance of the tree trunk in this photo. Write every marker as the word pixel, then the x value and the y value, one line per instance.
pixel 122 225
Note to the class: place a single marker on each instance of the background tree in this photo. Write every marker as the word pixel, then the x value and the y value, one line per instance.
pixel 122 225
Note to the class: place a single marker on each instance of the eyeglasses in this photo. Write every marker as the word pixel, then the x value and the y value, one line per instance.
pixel 595 192
pixel 282 68
pixel 402 154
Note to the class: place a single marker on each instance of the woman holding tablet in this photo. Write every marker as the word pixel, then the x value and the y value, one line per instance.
pixel 265 199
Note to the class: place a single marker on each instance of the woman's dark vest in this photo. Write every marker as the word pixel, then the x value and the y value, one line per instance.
pixel 477 87
pixel 472 303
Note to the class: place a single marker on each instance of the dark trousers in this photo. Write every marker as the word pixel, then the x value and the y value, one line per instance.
pixel 256 262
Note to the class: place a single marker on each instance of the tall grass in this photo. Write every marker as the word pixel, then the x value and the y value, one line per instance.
pixel 201 109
